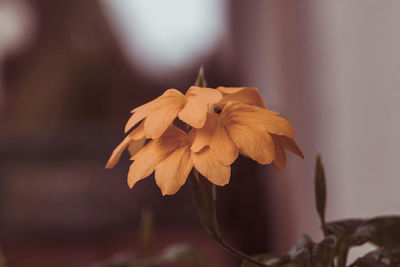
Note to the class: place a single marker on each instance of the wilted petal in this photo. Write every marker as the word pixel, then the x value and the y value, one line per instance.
pixel 207 164
pixel 195 111
pixel 172 172
pixel 143 111
pixel 153 153
pixel 203 135
pixel 256 144
pixel 245 95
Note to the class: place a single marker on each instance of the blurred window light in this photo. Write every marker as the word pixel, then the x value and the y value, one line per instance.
pixel 161 36
pixel 16 25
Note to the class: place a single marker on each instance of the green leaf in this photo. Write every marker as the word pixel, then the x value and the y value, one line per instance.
pixel 383 257
pixel 346 236
pixel 204 196
pixel 320 190
pixel 381 231
pixel 347 230
pixel 306 253
pixel 273 260
pixel 386 231
pixel 324 252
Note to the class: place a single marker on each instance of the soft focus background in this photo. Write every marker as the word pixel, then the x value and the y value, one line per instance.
pixel 71 70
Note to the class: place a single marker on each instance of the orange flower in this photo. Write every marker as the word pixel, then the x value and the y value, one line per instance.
pixel 242 124
pixel 158 114
pixel 170 157
pixel 242 128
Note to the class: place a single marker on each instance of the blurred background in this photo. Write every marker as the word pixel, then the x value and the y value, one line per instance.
pixel 71 70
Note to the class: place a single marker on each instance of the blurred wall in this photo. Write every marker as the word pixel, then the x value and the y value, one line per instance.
pixel 358 76
pixel 331 68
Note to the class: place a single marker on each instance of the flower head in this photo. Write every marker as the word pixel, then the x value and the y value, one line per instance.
pixel 240 124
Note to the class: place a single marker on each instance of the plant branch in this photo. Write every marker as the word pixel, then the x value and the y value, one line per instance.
pixel 240 254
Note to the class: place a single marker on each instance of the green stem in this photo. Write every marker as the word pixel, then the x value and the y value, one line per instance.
pixel 342 258
pixel 240 254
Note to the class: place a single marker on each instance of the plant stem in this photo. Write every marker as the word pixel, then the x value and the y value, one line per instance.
pixel 240 254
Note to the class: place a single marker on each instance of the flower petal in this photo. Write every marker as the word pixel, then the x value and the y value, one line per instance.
pixel 256 144
pixel 195 111
pixel 134 142
pixel 288 143
pixel 280 155
pixel 209 95
pixel 138 132
pixel 203 135
pixel 160 119
pixel 153 153
pixel 222 145
pixel 135 146
pixel 256 118
pixel 143 111
pixel 172 172
pixel 245 95
pixel 207 164
pixel 117 152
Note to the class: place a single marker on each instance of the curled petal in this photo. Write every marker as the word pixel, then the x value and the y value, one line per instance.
pixel 172 172
pixel 208 165
pixel 245 95
pixel 195 111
